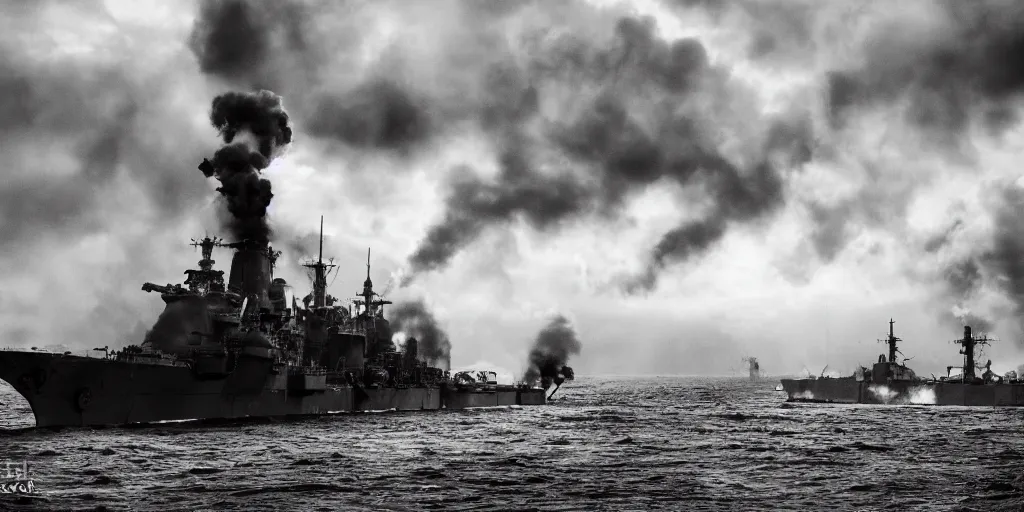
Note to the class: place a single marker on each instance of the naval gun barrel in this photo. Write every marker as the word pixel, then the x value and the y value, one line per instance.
pixel 150 287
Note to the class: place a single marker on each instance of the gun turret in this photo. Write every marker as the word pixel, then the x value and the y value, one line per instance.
pixel 150 287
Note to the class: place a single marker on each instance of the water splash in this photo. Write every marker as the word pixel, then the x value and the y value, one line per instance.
pixel 922 395
pixel 917 395
pixel 883 393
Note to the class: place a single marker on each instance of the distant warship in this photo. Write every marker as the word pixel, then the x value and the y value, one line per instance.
pixel 890 382
pixel 247 352
pixel 753 368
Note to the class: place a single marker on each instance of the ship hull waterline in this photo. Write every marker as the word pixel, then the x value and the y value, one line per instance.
pixel 74 391
pixel 851 391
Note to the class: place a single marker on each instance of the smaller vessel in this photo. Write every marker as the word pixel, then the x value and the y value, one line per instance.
pixel 891 382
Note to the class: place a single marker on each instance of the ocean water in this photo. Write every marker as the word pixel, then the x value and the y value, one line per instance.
pixel 652 443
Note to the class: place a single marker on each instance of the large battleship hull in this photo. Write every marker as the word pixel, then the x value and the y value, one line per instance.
pixel 851 391
pixel 65 390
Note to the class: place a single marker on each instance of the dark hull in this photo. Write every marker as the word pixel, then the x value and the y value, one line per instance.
pixel 849 390
pixel 80 391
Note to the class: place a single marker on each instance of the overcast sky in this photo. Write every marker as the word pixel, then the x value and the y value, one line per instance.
pixel 690 182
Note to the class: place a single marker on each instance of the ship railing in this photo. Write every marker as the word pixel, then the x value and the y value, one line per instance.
pixel 307 370
pixel 352 330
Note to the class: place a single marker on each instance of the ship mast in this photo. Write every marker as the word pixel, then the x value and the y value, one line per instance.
pixel 368 286
pixel 969 342
pixel 370 305
pixel 320 271
pixel 891 341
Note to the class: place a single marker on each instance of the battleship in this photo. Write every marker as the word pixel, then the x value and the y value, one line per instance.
pixel 892 383
pixel 247 352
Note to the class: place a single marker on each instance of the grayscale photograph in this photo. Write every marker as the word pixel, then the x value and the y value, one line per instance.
pixel 512 255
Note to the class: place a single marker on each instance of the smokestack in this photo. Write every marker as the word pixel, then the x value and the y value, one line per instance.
pixel 967 332
pixel 254 126
pixel 251 272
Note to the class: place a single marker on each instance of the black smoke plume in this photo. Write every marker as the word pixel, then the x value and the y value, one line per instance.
pixel 473 205
pixel 550 353
pixel 241 40
pixel 415 321
pixel 257 44
pixel 261 118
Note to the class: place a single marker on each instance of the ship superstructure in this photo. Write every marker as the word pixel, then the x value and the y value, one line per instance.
pixel 242 349
pixel 891 382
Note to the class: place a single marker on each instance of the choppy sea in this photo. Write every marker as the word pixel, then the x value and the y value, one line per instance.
pixel 614 443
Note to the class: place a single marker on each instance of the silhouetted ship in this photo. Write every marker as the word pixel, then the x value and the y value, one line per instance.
pixel 753 368
pixel 247 352
pixel 889 382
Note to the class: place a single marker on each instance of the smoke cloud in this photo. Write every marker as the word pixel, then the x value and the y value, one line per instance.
pixel 95 142
pixel 581 119
pixel 1005 260
pixel 639 123
pixel 413 319
pixel 551 351
pixel 260 118
pixel 993 264
pixel 950 71
pixel 285 47
pixel 584 116
pixel 965 69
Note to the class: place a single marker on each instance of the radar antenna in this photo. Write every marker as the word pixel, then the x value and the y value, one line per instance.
pixel 207 244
